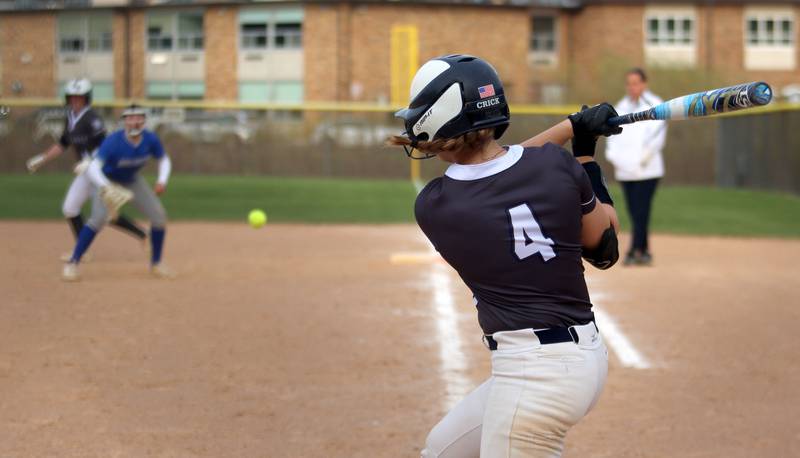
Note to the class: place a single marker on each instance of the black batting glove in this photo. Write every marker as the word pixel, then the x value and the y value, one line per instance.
pixel 590 123
pixel 593 121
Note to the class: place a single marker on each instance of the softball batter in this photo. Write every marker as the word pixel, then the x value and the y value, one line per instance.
pixel 84 131
pixel 514 222
pixel 114 171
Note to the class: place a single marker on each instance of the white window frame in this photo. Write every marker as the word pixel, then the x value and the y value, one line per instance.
pixel 174 34
pixel 544 58
pixel 271 34
pixel 761 19
pixel 679 36
pixel 678 49
pixel 765 56
pixel 85 38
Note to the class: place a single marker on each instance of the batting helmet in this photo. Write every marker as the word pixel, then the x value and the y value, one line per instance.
pixel 79 86
pixel 452 95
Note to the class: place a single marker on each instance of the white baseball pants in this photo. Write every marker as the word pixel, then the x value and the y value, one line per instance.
pixel 78 193
pixel 535 394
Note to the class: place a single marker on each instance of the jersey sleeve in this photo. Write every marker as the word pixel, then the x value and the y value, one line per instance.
pixel 104 153
pixel 421 213
pixel 157 150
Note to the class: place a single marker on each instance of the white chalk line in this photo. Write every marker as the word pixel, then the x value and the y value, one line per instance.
pixel 452 360
pixel 623 348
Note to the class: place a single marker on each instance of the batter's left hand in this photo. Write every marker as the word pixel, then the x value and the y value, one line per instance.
pixel 159 188
pixel 591 121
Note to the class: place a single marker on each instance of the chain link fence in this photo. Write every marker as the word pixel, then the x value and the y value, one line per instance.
pixel 759 150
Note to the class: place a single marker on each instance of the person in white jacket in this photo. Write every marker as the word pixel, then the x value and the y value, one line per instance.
pixel 638 164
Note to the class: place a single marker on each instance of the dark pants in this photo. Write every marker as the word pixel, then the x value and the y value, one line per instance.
pixel 639 198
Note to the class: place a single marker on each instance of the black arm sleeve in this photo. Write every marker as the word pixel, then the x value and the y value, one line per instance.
pixel 595 174
pixel 606 253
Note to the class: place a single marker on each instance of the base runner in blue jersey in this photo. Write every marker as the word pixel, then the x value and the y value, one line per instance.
pixel 116 168
pixel 514 222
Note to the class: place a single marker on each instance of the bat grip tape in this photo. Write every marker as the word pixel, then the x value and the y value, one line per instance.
pixel 619 120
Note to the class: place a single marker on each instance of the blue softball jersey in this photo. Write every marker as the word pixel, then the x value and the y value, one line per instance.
pixel 122 160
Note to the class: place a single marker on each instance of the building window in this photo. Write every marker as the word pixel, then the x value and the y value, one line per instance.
pixel 99 33
pixel 667 29
pixel 78 33
pixel 271 91
pixel 770 31
pixel 543 46
pixel 543 38
pixel 190 31
pixel 177 90
pixel 268 29
pixel 164 30
pixel 254 36
pixel 289 35
pixel 159 32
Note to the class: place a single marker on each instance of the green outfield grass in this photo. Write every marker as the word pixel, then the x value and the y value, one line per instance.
pixel 685 210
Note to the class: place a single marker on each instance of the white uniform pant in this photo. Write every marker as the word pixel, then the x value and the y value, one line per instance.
pixel 78 193
pixel 535 394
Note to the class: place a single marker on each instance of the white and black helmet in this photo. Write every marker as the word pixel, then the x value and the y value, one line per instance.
pixel 133 110
pixel 78 86
pixel 452 95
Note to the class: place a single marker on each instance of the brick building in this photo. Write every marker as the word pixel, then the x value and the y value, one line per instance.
pixel 549 51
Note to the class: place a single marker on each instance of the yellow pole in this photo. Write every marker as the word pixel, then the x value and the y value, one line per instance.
pixel 404 64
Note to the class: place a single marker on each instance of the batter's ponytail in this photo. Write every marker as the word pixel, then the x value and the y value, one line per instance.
pixel 463 145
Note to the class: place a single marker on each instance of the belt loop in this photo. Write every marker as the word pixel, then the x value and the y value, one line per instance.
pixel 574 334
pixel 489 342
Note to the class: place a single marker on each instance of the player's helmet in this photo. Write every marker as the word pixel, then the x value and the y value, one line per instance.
pixel 452 95
pixel 79 86
pixel 133 110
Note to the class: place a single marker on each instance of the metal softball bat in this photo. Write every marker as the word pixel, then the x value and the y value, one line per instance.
pixel 716 101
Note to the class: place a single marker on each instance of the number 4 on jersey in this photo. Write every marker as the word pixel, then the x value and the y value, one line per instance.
pixel 528 236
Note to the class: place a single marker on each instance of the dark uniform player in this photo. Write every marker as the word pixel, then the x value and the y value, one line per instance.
pixel 84 131
pixel 514 223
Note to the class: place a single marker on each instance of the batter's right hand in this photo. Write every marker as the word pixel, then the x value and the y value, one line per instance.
pixel 35 162
pixel 593 121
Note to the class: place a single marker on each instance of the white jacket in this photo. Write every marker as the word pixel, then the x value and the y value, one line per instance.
pixel 636 152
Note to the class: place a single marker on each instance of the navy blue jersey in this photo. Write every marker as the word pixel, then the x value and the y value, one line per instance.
pixel 83 131
pixel 511 228
pixel 122 160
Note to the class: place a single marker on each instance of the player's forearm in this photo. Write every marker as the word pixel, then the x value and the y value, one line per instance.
pixel 53 152
pixel 164 170
pixel 96 175
pixel 559 134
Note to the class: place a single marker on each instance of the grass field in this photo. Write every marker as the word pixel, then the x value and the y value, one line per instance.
pixel 683 210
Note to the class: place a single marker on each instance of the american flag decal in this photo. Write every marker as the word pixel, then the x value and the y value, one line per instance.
pixel 486 91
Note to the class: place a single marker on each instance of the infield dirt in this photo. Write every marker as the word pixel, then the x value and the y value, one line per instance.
pixel 306 341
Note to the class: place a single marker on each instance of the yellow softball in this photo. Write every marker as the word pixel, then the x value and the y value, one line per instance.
pixel 257 218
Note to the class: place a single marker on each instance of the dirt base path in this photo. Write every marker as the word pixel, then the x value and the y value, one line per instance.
pixel 306 341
